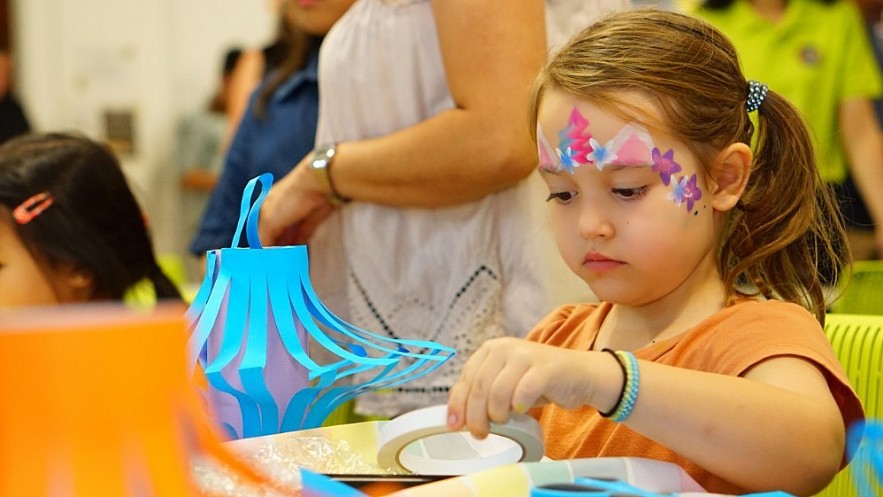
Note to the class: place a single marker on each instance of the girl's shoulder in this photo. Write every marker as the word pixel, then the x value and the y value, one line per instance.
pixel 570 324
pixel 746 333
pixel 756 310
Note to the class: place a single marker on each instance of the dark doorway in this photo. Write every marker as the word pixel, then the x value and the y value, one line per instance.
pixel 4 23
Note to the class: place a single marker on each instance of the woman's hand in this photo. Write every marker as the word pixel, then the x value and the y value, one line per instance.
pixel 293 209
pixel 510 374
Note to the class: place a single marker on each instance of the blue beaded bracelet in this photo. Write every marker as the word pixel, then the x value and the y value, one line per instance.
pixel 633 379
pixel 629 393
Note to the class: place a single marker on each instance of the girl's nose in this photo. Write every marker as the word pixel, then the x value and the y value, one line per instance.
pixel 594 223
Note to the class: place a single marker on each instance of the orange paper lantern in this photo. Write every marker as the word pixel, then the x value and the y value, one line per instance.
pixel 96 401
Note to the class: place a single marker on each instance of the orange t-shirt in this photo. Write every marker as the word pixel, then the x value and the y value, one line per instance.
pixel 730 342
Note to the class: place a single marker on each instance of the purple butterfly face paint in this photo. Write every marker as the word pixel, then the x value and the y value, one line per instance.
pixel 632 146
pixel 685 190
pixel 665 164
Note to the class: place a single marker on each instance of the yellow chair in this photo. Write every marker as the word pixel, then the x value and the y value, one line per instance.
pixel 858 342
pixel 143 295
pixel 863 293
pixel 346 414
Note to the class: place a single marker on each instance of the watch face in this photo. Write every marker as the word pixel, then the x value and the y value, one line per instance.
pixel 319 164
pixel 323 156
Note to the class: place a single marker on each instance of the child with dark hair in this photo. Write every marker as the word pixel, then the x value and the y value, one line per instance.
pixel 70 228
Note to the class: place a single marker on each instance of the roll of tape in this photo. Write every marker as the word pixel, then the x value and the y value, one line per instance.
pixel 420 442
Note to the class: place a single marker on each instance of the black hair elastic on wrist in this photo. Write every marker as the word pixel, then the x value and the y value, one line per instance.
pixel 625 378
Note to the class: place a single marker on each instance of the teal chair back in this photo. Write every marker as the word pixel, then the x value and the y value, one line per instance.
pixel 858 342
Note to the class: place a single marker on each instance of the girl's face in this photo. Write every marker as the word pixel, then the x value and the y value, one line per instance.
pixel 630 209
pixel 316 16
pixel 24 282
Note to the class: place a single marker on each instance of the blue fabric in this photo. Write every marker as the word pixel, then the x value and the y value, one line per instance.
pixel 272 144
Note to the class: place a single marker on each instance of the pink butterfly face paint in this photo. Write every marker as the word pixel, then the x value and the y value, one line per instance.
pixel 631 146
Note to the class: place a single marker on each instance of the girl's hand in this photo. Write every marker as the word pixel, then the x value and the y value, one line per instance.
pixel 511 374
pixel 293 209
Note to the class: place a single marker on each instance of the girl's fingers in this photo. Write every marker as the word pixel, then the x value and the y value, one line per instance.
pixel 500 399
pixel 479 390
pixel 529 391
pixel 459 395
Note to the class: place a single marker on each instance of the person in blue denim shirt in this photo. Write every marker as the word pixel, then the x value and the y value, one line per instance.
pixel 279 125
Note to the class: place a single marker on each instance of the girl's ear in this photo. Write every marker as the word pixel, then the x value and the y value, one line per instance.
pixel 75 285
pixel 730 175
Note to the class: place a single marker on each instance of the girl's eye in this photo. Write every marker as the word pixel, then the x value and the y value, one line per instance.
pixel 562 197
pixel 629 193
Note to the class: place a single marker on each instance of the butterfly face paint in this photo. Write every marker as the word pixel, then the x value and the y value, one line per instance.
pixel 632 146
pixel 685 190
pixel 665 164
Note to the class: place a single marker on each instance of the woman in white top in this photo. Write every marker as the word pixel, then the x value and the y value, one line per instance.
pixel 421 204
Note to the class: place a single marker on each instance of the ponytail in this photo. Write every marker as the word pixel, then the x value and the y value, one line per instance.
pixel 785 239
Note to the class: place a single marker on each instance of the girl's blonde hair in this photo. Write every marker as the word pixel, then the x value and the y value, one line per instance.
pixel 786 232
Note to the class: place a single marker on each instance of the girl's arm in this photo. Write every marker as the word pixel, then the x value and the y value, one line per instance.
pixel 776 428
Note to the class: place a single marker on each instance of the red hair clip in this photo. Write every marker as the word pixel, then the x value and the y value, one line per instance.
pixel 32 207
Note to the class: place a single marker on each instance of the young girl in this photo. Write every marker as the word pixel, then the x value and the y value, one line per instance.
pixel 707 350
pixel 70 228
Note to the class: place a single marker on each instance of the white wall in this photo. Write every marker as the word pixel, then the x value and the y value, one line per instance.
pixel 159 58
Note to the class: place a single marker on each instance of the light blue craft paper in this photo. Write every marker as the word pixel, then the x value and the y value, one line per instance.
pixel 864 442
pixel 250 322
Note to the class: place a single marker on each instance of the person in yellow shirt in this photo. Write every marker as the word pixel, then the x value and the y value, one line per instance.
pixel 817 54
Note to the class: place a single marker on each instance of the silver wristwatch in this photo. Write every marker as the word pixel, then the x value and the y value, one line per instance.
pixel 320 163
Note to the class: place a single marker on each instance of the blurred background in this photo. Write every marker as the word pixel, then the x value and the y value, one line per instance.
pixel 127 72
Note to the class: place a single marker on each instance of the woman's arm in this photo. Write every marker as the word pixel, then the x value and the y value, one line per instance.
pixel 863 141
pixel 481 146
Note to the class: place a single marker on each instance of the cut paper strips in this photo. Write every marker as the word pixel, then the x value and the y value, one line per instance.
pixel 251 321
pixel 96 402
pixel 864 442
